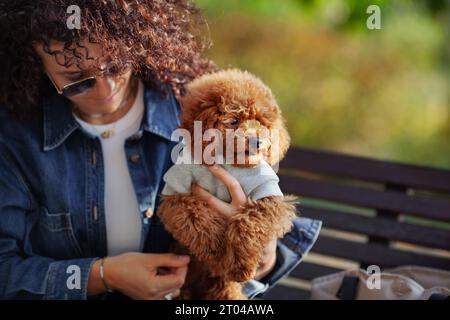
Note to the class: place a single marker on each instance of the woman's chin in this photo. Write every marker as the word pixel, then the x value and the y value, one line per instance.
pixel 111 103
pixel 104 106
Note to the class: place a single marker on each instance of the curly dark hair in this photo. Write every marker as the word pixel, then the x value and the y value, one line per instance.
pixel 162 40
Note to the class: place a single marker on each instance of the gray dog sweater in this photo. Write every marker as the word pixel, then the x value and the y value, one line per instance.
pixel 257 183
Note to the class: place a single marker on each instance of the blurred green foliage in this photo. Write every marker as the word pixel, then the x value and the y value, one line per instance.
pixel 378 93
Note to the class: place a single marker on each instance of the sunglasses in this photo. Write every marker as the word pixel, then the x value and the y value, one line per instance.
pixel 80 86
pixel 75 88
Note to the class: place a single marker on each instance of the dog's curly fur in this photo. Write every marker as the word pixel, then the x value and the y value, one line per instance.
pixel 226 251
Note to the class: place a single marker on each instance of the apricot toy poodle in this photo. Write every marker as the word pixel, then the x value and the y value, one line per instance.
pixel 226 251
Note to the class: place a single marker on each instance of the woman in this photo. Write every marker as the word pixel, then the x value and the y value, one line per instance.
pixel 86 117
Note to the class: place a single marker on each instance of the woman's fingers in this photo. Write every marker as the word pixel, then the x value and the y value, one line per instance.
pixel 173 294
pixel 268 259
pixel 176 293
pixel 168 260
pixel 237 193
pixel 173 281
pixel 175 267
pixel 238 197
pixel 212 201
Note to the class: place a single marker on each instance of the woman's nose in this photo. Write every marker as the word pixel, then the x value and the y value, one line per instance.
pixel 105 86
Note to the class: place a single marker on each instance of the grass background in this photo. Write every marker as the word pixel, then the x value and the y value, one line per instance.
pixel 377 93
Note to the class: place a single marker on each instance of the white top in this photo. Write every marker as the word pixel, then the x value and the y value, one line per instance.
pixel 123 219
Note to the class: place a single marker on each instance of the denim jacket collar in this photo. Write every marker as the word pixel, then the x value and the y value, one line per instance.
pixel 161 117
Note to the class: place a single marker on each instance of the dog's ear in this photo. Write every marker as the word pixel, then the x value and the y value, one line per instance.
pixel 272 118
pixel 195 108
pixel 205 112
pixel 280 142
pixel 208 115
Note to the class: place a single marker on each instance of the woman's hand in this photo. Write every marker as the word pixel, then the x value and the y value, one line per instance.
pixel 238 199
pixel 268 260
pixel 138 276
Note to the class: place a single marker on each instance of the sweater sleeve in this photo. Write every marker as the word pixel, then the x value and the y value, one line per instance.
pixel 178 179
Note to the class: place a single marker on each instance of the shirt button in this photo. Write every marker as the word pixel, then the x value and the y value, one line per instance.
pixel 135 157
pixel 149 213
pixel 94 158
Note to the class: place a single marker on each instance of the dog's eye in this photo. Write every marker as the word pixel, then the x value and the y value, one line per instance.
pixel 234 122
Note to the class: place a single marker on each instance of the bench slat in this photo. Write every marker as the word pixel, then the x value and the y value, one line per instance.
pixel 438 209
pixel 281 292
pixel 380 227
pixel 371 253
pixel 309 271
pixel 363 168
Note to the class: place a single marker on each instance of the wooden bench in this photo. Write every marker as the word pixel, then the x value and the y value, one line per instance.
pixel 374 213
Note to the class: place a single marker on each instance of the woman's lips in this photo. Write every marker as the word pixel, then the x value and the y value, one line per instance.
pixel 110 98
pixel 106 100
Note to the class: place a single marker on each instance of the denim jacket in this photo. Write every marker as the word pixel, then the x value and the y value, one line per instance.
pixel 52 212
